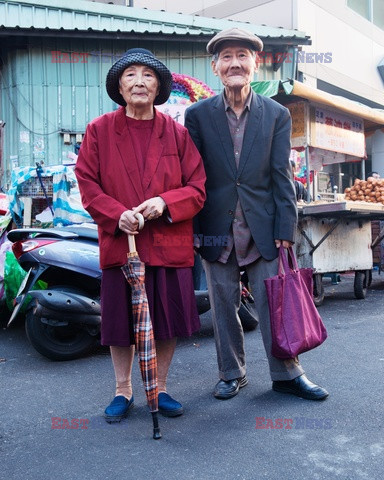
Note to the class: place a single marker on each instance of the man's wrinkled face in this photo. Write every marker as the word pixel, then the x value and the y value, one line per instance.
pixel 236 65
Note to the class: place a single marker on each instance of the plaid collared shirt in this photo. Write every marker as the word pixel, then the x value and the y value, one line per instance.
pixel 240 236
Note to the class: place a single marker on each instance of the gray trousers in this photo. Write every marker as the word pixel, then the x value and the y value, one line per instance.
pixel 223 280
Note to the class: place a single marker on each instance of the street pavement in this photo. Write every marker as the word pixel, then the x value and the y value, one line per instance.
pixel 340 438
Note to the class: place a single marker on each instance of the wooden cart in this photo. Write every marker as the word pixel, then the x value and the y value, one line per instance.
pixel 336 237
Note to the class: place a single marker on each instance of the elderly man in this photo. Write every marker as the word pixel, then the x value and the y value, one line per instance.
pixel 250 210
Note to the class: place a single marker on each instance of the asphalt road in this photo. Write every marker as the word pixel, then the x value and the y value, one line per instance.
pixel 341 438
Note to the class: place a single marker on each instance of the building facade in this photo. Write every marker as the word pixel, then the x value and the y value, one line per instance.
pixel 54 58
pixel 343 58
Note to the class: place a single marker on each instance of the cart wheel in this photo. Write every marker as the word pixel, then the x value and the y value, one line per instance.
pixel 318 289
pixel 361 282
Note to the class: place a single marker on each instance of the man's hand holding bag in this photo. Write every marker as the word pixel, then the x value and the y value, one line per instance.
pixel 295 322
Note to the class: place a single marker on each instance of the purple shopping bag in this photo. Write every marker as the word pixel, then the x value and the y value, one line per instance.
pixel 296 325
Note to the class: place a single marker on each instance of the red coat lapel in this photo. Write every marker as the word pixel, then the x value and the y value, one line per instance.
pixel 127 153
pixel 155 150
pixel 128 157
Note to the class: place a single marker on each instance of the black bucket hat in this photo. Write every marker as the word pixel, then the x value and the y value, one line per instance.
pixel 143 57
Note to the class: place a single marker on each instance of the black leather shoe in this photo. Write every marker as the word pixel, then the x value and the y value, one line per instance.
pixel 301 387
pixel 225 389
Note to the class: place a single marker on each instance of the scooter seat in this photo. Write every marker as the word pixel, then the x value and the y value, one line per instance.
pixel 83 232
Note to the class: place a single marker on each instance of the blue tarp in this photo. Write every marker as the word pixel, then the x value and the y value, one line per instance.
pixel 66 201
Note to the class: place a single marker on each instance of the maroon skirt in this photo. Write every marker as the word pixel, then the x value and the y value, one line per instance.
pixel 171 302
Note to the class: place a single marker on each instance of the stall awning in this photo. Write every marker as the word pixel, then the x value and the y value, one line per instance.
pixel 373 118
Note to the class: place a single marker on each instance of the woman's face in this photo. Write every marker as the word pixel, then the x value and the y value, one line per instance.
pixel 139 86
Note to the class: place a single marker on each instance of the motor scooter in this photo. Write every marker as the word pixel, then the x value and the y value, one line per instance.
pixel 62 322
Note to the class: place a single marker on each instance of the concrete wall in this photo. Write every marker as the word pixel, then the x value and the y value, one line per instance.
pixel 357 46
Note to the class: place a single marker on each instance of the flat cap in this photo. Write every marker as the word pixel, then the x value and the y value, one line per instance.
pixel 236 35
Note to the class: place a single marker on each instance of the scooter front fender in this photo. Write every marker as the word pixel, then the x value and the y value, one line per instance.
pixel 27 284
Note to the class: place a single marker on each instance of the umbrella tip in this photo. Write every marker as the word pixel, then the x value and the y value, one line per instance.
pixel 156 428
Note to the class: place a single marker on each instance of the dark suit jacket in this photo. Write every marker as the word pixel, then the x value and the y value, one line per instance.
pixel 263 181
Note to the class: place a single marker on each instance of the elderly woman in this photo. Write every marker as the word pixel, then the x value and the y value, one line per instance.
pixel 136 159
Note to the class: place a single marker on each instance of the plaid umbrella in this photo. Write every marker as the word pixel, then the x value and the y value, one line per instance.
pixel 134 271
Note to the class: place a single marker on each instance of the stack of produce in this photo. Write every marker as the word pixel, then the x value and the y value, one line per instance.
pixel 370 190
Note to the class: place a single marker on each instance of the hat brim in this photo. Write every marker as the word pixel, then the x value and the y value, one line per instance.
pixel 115 72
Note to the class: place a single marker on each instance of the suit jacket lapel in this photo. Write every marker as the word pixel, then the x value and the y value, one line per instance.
pixel 127 153
pixel 220 119
pixel 252 131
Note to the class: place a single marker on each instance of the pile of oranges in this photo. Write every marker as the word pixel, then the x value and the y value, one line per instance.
pixel 370 190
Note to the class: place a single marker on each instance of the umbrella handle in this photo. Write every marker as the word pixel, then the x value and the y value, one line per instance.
pixel 131 238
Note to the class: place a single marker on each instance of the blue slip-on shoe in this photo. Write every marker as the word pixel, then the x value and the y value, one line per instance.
pixel 168 407
pixel 118 409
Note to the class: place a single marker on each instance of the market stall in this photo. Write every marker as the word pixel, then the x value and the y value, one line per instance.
pixel 335 237
pixel 328 135
pixel 334 230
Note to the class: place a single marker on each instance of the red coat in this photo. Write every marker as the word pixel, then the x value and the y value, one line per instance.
pixel 110 183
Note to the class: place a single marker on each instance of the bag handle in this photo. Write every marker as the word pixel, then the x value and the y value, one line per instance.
pixel 287 261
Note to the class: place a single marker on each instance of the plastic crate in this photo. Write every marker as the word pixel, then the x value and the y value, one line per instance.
pixel 32 187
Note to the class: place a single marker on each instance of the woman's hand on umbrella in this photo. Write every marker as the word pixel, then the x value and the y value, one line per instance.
pixel 152 208
pixel 128 223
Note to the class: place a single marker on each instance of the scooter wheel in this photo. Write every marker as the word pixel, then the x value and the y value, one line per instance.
pixel 58 343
